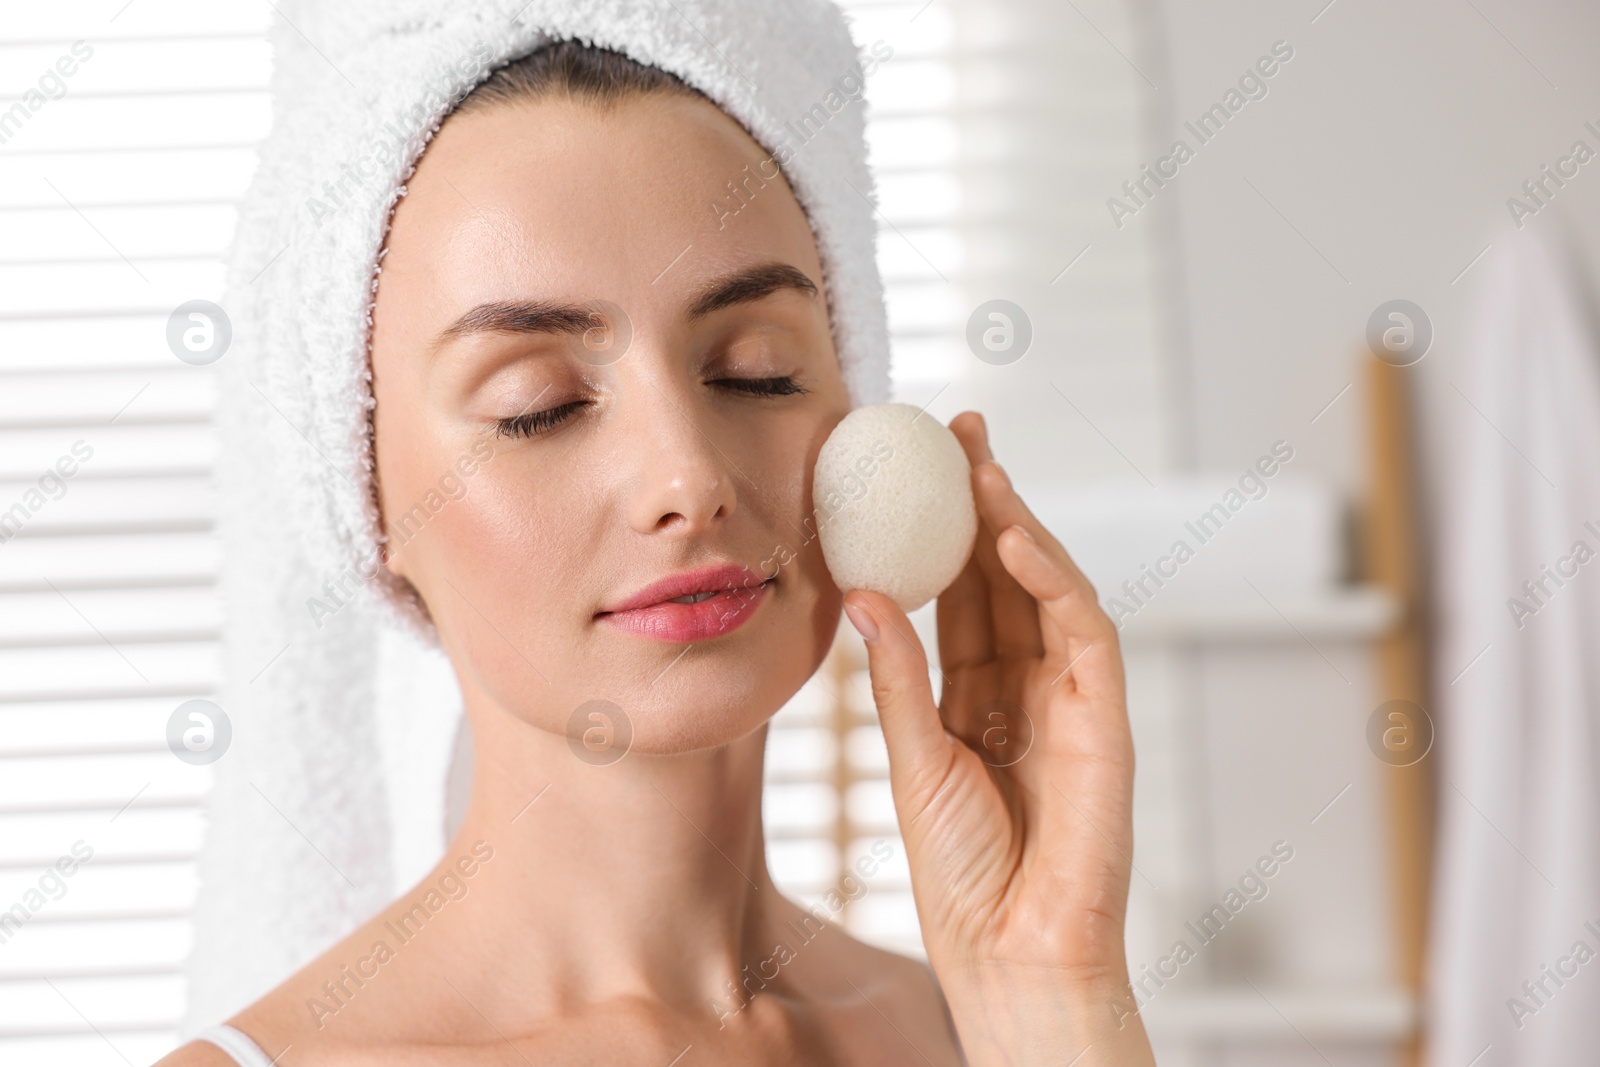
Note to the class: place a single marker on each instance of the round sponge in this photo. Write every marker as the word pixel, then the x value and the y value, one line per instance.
pixel 893 497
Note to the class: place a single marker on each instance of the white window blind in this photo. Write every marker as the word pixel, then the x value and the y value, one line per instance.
pixel 117 199
pixel 131 140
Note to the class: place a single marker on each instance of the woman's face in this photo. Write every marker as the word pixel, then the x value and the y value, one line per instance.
pixel 592 374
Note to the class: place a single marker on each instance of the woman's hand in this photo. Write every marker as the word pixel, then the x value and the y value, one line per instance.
pixel 1015 793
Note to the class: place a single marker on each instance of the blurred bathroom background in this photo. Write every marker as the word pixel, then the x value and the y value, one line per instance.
pixel 1339 345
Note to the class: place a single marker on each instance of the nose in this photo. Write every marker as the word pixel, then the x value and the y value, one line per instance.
pixel 685 483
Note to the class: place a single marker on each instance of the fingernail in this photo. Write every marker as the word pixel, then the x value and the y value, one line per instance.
pixel 1023 530
pixel 862 621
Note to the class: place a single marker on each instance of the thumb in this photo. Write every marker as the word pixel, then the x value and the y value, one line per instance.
pixel 919 751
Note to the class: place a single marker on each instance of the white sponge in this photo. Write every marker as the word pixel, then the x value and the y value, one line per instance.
pixel 893 497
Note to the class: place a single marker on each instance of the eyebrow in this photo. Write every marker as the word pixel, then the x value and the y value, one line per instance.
pixel 744 286
pixel 537 316
pixel 521 316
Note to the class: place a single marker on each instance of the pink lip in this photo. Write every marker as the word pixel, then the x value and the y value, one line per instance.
pixel 649 613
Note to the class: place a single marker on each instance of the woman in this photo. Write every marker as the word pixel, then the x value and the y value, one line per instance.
pixel 616 551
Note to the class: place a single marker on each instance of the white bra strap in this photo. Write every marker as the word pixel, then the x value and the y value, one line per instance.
pixel 245 1052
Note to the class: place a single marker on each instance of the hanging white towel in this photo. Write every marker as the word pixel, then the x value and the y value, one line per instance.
pixel 1517 879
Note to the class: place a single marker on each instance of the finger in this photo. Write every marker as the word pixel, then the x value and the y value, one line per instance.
pixel 966 637
pixel 1003 507
pixel 919 750
pixel 1014 617
pixel 973 433
pixel 1075 629
pixel 962 612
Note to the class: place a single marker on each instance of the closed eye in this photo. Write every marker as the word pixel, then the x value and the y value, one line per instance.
pixel 543 422
pixel 537 422
pixel 781 386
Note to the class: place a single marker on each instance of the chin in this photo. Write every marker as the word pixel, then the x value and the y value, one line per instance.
pixel 719 692
pixel 690 729
pixel 721 700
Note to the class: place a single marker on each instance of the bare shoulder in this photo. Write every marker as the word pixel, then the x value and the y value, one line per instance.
pixel 196 1054
pixel 846 970
pixel 907 981
pixel 343 983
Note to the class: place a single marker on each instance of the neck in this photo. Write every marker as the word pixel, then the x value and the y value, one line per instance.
pixel 640 877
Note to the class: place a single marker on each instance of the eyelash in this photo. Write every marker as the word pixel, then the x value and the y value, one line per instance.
pixel 542 422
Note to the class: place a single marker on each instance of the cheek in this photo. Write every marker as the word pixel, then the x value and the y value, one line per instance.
pixel 824 600
pixel 812 600
pixel 499 570
pixel 775 493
